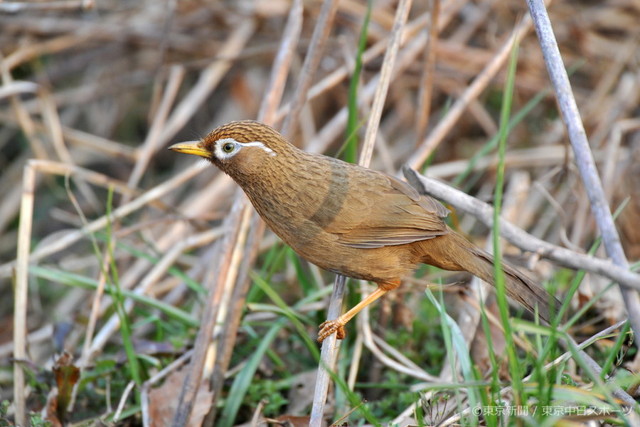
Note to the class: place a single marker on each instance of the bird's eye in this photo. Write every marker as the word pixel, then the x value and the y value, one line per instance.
pixel 228 147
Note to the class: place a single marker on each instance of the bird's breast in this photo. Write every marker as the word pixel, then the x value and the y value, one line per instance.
pixel 318 197
pixel 311 194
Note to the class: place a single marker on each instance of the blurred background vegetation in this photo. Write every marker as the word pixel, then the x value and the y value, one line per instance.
pixel 96 91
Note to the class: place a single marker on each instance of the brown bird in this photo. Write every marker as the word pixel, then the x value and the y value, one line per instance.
pixel 349 219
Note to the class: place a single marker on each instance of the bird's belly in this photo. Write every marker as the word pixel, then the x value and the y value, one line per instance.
pixel 386 264
pixel 313 243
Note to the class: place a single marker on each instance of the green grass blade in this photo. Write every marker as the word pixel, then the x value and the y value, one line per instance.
pixel 243 380
pixel 351 150
pixel 76 280
pixel 239 391
pixel 289 313
pixel 516 119
pixel 514 365
pixel 615 351
pixel 119 299
pixel 454 341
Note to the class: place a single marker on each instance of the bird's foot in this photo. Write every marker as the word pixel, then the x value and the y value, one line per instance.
pixel 329 327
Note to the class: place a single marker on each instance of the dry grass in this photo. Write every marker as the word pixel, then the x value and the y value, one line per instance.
pixel 95 91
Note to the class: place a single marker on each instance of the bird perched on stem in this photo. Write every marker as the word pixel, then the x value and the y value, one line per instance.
pixel 349 219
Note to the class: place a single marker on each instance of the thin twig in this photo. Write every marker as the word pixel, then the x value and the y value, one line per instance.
pixel 97 224
pixel 153 140
pixel 426 79
pixel 193 378
pixel 311 61
pixel 123 400
pixel 232 312
pixel 437 135
pixel 21 291
pixel 382 87
pixel 208 81
pixel 519 237
pixel 329 351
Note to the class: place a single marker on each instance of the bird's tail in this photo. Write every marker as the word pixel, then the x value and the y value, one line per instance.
pixel 466 256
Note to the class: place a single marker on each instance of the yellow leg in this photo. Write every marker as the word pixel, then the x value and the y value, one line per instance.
pixel 337 325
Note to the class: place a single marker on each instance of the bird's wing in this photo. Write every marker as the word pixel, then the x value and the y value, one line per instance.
pixel 386 212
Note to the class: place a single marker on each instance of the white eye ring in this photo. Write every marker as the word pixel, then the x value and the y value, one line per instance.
pixel 226 148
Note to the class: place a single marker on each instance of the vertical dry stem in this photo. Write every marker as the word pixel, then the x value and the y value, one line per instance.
pixel 582 152
pixel 21 289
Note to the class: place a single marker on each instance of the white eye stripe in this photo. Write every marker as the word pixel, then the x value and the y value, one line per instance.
pixel 222 154
pixel 260 145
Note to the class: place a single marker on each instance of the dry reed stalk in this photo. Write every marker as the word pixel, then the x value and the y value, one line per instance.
pixel 469 319
pixel 30 126
pixel 23 258
pixel 583 156
pixel 98 144
pixel 336 125
pixel 154 140
pixel 32 51
pixel 423 109
pixel 52 123
pixel 227 336
pixel 414 46
pixel 209 78
pixel 56 5
pixel 614 153
pixel 536 157
pixel 337 76
pixel 520 238
pixel 150 279
pixel 140 202
pixel 479 84
pixel 329 349
pixel 216 310
pixel 358 346
pixel 310 65
pixel 282 63
pixel 228 257
pixel 21 291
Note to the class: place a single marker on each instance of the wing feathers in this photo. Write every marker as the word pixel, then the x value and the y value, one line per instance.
pixel 369 238
pixel 386 212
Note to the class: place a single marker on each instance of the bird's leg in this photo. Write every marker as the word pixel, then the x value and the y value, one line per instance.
pixel 337 325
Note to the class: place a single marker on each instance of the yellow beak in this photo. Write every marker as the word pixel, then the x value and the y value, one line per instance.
pixel 190 147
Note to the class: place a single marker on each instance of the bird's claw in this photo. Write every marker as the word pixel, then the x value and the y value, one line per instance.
pixel 329 327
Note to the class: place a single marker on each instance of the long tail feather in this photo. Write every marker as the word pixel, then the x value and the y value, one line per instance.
pixel 453 252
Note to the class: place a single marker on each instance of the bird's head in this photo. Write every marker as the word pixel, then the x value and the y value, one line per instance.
pixel 239 148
